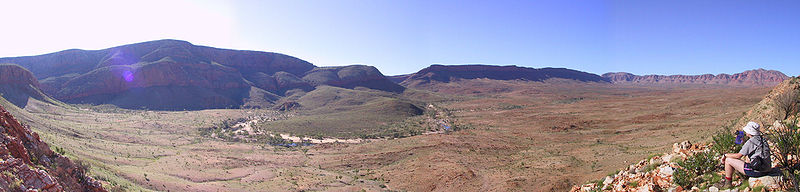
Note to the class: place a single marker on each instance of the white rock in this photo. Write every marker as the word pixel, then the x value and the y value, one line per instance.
pixel 666 170
pixel 676 148
pixel 608 180
pixel 666 158
pixel 770 182
pixel 713 189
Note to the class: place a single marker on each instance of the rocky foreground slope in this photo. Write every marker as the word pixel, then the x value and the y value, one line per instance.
pixel 657 173
pixel 28 164
pixel 759 77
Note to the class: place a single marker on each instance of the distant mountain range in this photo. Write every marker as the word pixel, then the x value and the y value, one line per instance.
pixel 759 77
pixel 177 75
pixel 447 73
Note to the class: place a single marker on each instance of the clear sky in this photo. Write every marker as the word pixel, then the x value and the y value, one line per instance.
pixel 403 36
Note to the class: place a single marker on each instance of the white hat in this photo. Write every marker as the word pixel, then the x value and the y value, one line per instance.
pixel 752 128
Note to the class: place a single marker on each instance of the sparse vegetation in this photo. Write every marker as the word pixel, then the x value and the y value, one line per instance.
pixel 725 141
pixel 687 175
pixel 787 103
pixel 787 142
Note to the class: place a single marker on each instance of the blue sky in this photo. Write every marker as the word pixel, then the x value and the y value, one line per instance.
pixel 398 37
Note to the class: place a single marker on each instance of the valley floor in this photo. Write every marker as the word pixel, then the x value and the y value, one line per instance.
pixel 518 136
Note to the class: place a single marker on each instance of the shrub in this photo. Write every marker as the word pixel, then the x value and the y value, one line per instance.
pixel 787 143
pixel 786 103
pixel 697 164
pixel 684 178
pixel 725 142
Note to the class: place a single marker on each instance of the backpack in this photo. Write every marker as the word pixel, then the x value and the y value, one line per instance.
pixel 761 163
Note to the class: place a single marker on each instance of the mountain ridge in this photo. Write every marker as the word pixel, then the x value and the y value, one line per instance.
pixel 756 77
pixel 168 70
pixel 447 73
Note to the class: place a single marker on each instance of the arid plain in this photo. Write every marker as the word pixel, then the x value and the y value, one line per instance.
pixel 514 135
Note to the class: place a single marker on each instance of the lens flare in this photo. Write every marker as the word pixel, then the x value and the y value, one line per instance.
pixel 128 76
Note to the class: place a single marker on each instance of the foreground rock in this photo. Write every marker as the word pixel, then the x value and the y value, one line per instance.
pixel 28 164
pixel 654 174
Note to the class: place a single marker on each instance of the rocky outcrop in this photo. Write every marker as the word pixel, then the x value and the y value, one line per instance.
pixel 176 75
pixel 14 74
pixel 27 163
pixel 759 77
pixel 654 174
pixel 18 85
pixel 447 73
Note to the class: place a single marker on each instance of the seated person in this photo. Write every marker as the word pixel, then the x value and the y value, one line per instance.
pixel 755 146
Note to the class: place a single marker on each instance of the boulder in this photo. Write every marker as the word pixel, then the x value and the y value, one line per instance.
pixel 769 182
pixel 666 171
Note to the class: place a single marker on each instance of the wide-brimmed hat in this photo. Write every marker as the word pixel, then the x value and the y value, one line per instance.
pixel 752 128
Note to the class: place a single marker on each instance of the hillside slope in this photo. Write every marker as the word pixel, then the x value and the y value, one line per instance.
pixel 29 164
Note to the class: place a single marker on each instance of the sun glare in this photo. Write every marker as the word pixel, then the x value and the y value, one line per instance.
pixel 41 27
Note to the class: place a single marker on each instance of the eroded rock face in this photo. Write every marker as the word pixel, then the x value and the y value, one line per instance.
pixel 759 77
pixel 27 163
pixel 15 74
pixel 17 85
pixel 446 73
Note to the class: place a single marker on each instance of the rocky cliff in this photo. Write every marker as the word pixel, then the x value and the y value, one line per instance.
pixel 28 164
pixel 759 77
pixel 173 74
pixel 447 73
pixel 18 85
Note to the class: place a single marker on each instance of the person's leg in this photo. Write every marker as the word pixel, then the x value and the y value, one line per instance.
pixel 731 165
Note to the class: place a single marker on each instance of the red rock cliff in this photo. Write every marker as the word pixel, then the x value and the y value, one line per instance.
pixel 27 163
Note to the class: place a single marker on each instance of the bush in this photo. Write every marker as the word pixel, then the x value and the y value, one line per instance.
pixel 787 143
pixel 698 164
pixel 684 178
pixel 725 142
